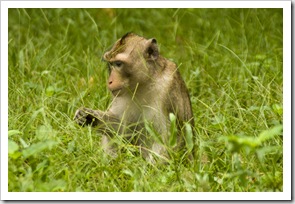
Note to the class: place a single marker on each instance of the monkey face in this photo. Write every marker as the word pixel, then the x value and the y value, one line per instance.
pixel 118 80
pixel 131 63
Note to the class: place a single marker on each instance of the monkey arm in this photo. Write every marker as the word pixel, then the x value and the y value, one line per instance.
pixel 106 122
pixel 179 101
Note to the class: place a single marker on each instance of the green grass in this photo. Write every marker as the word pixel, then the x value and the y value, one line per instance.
pixel 231 60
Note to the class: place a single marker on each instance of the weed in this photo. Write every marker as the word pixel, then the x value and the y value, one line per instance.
pixel 231 60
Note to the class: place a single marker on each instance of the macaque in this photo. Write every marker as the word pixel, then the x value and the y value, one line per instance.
pixel 146 88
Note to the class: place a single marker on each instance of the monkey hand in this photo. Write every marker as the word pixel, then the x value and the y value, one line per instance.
pixel 86 116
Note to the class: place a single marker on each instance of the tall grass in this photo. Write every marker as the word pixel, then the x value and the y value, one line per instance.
pixel 231 60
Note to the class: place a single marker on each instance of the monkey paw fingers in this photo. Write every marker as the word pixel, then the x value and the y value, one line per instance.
pixel 80 117
pixel 85 116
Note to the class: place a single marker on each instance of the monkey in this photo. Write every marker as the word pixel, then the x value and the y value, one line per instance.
pixel 145 88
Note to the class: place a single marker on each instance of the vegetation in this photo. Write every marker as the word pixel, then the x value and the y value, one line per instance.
pixel 231 60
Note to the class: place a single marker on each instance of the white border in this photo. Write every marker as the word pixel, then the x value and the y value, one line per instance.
pixel 4 101
pixel 285 195
pixel 145 4
pixel 148 196
pixel 287 92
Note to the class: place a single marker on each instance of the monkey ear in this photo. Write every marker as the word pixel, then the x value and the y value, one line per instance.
pixel 152 51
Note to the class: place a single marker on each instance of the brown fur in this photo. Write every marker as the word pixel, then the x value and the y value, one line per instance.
pixel 145 87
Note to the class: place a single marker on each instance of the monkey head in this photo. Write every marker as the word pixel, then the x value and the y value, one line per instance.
pixel 132 63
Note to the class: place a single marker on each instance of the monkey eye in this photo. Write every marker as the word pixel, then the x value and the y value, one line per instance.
pixel 117 63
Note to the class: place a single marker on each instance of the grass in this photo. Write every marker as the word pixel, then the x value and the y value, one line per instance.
pixel 231 60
